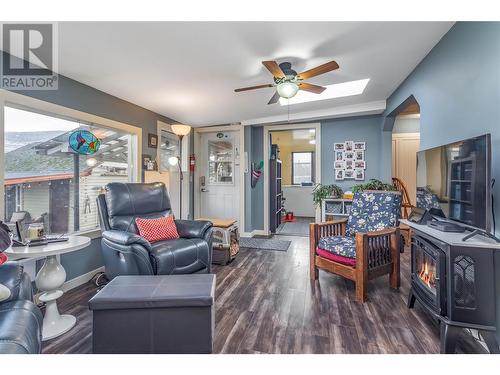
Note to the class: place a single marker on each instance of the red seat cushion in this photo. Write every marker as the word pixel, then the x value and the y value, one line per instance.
pixel 336 258
pixel 159 229
pixel 3 258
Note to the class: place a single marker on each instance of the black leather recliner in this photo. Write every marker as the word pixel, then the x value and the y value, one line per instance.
pixel 125 252
pixel 20 319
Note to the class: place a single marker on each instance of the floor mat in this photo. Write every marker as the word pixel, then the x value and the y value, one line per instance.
pixel 264 244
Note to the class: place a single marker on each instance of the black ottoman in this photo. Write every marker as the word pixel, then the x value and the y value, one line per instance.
pixel 154 314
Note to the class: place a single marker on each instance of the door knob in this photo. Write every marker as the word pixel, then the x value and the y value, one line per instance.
pixel 203 190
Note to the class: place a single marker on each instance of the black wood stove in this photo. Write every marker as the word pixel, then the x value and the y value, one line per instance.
pixel 456 284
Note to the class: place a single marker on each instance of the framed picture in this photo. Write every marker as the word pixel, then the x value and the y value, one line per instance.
pixel 349 145
pixel 359 164
pixel 359 155
pixel 349 173
pixel 359 174
pixel 338 146
pixel 339 174
pixel 152 140
pixel 339 155
pixel 349 155
pixel 349 164
pixel 148 164
pixel 339 164
pixel 359 145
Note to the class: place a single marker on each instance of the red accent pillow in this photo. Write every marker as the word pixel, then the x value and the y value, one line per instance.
pixel 159 229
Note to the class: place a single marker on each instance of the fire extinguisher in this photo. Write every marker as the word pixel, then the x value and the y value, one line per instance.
pixel 192 162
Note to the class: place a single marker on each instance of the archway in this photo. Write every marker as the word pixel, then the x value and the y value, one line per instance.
pixel 405 145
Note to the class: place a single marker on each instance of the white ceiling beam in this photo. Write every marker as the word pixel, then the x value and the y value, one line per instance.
pixel 363 109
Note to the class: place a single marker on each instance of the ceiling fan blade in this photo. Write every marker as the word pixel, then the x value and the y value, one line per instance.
pixel 253 87
pixel 325 68
pixel 275 98
pixel 311 88
pixel 274 68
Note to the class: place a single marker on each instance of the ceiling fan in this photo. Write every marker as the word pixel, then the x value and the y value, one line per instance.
pixel 288 82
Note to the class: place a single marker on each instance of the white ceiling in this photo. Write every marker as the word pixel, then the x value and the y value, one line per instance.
pixel 188 71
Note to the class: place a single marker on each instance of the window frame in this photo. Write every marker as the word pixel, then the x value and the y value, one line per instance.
pixel 184 147
pixel 15 100
pixel 293 166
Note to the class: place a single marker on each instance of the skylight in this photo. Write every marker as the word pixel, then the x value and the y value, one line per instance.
pixel 337 90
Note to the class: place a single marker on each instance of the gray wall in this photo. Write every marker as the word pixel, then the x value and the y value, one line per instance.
pixel 75 95
pixel 362 129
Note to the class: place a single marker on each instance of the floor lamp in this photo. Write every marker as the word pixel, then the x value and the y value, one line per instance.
pixel 180 131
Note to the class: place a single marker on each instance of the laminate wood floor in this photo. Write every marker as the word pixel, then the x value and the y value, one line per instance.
pixel 266 304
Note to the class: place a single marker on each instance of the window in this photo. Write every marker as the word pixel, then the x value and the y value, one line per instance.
pixel 168 147
pixel 220 162
pixel 45 181
pixel 302 167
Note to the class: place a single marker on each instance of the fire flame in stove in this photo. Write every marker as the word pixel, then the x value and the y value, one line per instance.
pixel 427 275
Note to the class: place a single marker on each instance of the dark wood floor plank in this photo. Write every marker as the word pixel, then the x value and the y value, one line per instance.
pixel 265 303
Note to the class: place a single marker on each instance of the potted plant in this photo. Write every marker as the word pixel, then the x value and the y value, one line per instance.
pixel 373 184
pixel 321 192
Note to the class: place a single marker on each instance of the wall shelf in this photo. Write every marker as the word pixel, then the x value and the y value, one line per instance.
pixel 335 208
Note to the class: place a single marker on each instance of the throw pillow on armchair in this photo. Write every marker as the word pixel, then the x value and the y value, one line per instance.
pixel 159 229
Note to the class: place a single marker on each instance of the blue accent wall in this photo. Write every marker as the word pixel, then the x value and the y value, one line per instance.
pixel 257 193
pixel 247 186
pixel 82 261
pixel 362 129
pixel 254 197
pixel 457 86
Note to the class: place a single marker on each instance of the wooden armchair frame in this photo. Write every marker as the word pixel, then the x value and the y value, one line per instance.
pixel 377 254
pixel 406 205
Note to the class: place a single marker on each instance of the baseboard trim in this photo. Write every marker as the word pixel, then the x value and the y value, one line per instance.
pixel 256 232
pixel 80 280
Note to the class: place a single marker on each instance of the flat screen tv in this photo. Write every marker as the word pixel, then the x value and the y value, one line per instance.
pixel 456 178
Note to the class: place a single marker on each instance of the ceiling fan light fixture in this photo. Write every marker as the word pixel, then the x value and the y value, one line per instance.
pixel 287 89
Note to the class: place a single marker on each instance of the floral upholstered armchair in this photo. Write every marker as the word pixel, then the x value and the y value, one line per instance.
pixel 362 247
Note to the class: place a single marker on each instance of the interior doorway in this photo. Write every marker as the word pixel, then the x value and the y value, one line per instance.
pixel 405 145
pixel 293 173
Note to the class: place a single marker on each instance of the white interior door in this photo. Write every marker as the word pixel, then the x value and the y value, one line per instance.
pixel 219 175
pixel 404 161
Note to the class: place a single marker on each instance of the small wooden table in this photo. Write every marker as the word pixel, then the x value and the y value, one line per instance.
pixel 50 279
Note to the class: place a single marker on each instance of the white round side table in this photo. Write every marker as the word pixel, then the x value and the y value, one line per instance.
pixel 50 279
